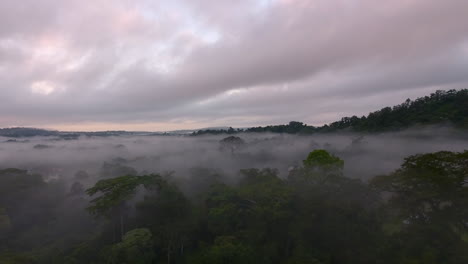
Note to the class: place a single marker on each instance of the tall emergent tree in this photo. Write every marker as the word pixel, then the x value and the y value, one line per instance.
pixel 430 188
pixel 115 192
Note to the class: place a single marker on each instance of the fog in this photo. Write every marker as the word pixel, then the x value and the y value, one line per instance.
pixel 365 155
pixel 54 218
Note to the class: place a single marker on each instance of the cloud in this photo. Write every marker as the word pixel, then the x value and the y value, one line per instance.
pixel 224 62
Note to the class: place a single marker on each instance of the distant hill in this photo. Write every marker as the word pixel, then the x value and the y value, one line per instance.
pixel 229 130
pixel 212 130
pixel 18 132
pixel 22 132
pixel 441 107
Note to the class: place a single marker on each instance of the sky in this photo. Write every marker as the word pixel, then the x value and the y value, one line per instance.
pixel 163 65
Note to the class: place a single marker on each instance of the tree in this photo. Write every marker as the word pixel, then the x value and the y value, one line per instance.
pixel 430 187
pixel 5 223
pixel 428 198
pixel 268 201
pixel 333 216
pixel 439 107
pixel 116 191
pixel 321 159
pixel 227 250
pixel 319 166
pixel 167 214
pixel 231 143
pixel 136 248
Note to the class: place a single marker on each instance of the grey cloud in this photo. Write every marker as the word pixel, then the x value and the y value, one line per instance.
pixel 126 61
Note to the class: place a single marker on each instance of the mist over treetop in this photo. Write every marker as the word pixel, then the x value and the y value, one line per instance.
pixel 233 132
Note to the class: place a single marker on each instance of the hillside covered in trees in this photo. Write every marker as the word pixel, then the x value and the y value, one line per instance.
pixel 441 107
pixel 449 107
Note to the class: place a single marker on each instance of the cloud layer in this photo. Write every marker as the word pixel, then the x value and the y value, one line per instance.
pixel 183 64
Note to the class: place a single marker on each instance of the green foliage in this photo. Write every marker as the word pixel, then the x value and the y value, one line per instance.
pixel 294 127
pixel 16 258
pixel 226 250
pixel 167 214
pixel 429 194
pixel 16 186
pixel 314 215
pixel 332 212
pixel 440 107
pixel 269 197
pixel 230 130
pixel 14 181
pixel 136 248
pixel 5 222
pixel 115 191
pixel 303 255
pixel 23 197
pixel 319 168
pixel 225 209
pixel 322 159
pixel 430 187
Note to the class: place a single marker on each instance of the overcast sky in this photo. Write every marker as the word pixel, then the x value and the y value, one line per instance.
pixel 173 64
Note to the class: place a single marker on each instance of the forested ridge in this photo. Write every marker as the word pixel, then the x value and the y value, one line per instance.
pixel 442 107
pixel 417 214
pixel 439 108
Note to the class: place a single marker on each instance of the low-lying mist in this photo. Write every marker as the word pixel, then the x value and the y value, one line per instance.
pixel 63 201
pixel 365 155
